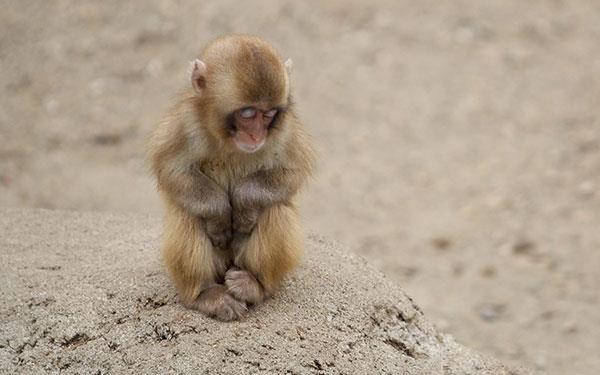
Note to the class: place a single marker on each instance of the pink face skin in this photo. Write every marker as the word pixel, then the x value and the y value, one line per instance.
pixel 252 125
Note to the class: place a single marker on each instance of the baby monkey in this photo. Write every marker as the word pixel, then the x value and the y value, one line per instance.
pixel 229 158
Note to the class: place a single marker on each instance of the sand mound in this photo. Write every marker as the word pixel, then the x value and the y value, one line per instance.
pixel 86 293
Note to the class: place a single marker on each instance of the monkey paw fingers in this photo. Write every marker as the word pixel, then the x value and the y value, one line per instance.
pixel 245 222
pixel 230 309
pixel 216 302
pixel 220 239
pixel 219 233
pixel 243 286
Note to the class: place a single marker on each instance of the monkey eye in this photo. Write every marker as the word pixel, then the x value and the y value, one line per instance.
pixel 248 112
pixel 271 113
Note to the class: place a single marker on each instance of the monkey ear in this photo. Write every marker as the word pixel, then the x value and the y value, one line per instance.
pixel 198 75
pixel 288 65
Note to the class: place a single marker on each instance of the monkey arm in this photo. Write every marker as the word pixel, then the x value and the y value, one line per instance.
pixel 262 189
pixel 198 194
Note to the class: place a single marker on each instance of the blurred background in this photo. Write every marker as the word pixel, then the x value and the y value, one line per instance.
pixel 459 141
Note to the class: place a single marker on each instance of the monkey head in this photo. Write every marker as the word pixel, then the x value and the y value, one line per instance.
pixel 242 86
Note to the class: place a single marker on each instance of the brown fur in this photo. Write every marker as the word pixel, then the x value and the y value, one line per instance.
pixel 225 209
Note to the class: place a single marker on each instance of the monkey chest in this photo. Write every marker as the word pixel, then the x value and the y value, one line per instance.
pixel 227 173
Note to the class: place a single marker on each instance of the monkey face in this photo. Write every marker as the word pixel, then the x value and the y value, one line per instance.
pixel 249 126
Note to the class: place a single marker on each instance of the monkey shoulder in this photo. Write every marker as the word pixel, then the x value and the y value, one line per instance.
pixel 302 155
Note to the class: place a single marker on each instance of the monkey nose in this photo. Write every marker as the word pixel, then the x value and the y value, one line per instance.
pixel 255 131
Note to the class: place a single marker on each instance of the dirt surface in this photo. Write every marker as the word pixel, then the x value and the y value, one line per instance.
pixel 460 141
pixel 87 294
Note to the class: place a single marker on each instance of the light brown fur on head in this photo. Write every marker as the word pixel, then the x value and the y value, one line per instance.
pixel 244 69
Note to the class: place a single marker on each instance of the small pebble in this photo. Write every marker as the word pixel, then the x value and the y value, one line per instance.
pixel 523 247
pixel 491 311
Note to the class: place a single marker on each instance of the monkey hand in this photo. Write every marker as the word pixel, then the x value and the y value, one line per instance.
pixel 244 219
pixel 219 231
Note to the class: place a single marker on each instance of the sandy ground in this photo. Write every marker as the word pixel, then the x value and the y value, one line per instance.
pixel 85 293
pixel 460 141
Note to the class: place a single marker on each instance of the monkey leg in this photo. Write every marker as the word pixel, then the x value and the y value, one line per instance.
pixel 196 267
pixel 266 255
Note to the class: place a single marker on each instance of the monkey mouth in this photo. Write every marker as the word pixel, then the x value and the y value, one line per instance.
pixel 248 144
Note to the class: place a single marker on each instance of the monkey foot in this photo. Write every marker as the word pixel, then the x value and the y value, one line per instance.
pixel 243 286
pixel 216 302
